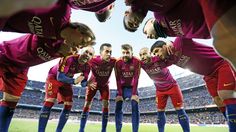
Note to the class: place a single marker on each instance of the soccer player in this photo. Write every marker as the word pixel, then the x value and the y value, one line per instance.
pixel 203 60
pixel 166 86
pixel 101 67
pixel 59 85
pixel 48 22
pixel 17 55
pixel 215 17
pixel 127 70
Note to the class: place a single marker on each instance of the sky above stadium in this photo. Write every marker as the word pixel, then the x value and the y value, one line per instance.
pixel 112 31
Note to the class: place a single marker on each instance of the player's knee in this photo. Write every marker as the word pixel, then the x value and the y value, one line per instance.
pixel 51 100
pixel 227 94
pixel 10 98
pixel 218 101
pixel 105 103
pixel 87 104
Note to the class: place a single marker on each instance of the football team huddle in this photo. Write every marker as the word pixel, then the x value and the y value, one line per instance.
pixel 49 34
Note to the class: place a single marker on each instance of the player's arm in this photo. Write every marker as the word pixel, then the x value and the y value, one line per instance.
pixel 9 7
pixel 136 77
pixel 64 65
pixel 86 72
pixel 118 78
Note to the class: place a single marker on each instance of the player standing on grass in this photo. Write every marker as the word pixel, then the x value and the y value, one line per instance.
pixel 127 70
pixel 166 86
pixel 202 60
pixel 101 67
pixel 59 85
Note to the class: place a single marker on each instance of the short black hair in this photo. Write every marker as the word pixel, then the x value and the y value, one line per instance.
pixel 157 44
pixel 127 28
pixel 103 45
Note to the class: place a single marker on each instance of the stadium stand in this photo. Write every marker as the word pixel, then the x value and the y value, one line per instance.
pixel 198 103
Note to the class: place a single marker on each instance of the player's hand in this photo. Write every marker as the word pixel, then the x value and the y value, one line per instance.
pixel 78 79
pixel 119 98
pixel 92 85
pixel 169 48
pixel 135 97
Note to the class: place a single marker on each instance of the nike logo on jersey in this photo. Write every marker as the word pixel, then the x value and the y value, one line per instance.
pixel 228 84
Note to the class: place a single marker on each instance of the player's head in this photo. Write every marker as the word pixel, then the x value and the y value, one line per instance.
pixel 132 20
pixel 105 51
pixel 127 52
pixel 105 13
pixel 78 35
pixel 145 55
pixel 149 29
pixel 86 54
pixel 159 49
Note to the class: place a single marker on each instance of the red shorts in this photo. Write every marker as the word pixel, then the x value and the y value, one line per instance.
pixel 221 79
pixel 55 89
pixel 104 92
pixel 214 9
pixel 12 79
pixel 175 95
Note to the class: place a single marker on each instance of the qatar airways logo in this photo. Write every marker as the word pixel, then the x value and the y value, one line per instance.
pixel 43 54
pixel 103 73
pixel 35 26
pixel 177 27
pixel 128 74
pixel 183 61
pixel 153 70
pixel 84 2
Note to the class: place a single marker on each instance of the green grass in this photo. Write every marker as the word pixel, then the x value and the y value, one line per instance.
pixel 22 125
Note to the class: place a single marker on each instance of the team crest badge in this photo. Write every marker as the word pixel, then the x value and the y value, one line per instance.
pixel 131 68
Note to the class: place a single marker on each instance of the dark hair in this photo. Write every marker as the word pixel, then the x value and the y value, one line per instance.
pixel 84 29
pixel 128 28
pixel 103 45
pixel 157 44
pixel 126 47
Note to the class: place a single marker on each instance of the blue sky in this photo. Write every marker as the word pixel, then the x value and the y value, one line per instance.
pixel 112 31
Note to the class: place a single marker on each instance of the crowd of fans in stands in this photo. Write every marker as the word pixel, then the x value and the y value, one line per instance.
pixel 194 92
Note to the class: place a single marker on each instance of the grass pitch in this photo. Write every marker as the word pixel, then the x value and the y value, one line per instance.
pixel 24 125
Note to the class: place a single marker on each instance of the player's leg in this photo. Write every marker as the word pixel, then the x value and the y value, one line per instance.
pixel 65 96
pixel 177 101
pixel 227 92
pixel 87 105
pixel 221 21
pixel 211 84
pixel 119 112
pixel 135 110
pixel 13 86
pixel 161 100
pixel 52 86
pixel 104 92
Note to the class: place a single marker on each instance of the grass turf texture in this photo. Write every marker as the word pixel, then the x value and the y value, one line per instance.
pixel 24 125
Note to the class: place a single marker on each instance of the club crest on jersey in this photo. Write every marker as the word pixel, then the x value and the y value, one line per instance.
pixel 162 23
pixel 131 68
